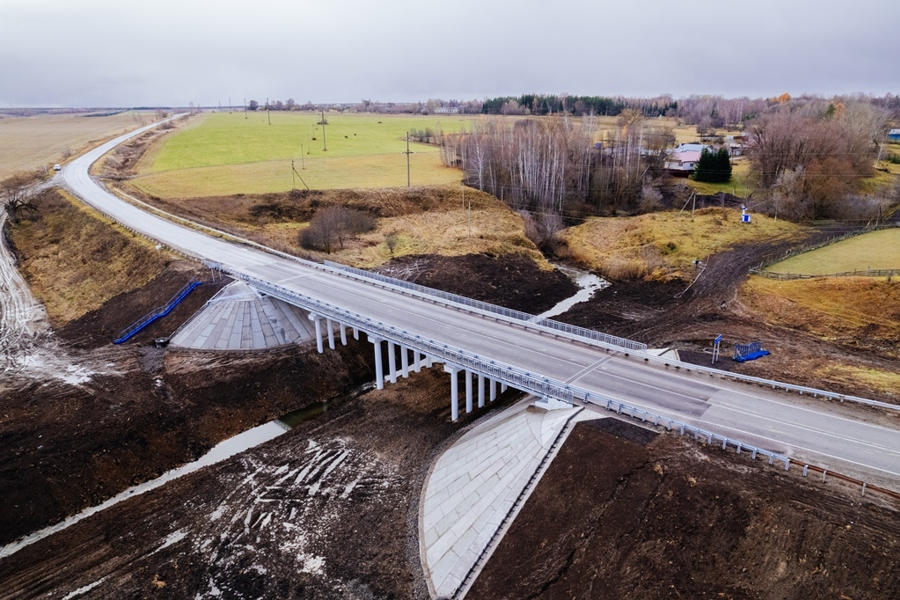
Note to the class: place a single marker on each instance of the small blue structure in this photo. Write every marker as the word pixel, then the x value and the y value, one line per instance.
pixel 157 313
pixel 894 135
pixel 745 218
pixel 751 351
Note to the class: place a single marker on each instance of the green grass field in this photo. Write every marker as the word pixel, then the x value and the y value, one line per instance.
pixel 875 250
pixel 229 154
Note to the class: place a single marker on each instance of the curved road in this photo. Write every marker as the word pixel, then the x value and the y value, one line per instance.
pixel 838 437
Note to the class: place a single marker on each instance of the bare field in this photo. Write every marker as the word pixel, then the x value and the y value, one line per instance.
pixel 426 220
pixel 855 310
pixel 30 143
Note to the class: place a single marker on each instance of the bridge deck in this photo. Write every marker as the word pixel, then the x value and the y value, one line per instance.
pixel 831 435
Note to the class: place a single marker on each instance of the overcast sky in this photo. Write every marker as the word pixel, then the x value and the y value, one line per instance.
pixel 172 52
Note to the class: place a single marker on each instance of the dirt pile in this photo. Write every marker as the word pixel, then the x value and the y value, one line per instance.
pixel 669 519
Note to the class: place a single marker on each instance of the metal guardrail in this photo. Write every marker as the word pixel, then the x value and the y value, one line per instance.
pixel 815 392
pixel 516 315
pixel 687 429
pixel 156 313
pixel 858 273
pixel 518 378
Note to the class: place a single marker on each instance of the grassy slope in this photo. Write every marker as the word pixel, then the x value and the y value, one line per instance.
pixel 426 221
pixel 229 154
pixel 875 250
pixel 846 309
pixel 664 245
pixel 75 260
pixel 28 143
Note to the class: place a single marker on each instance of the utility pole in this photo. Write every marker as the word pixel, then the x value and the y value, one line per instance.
pixel 230 108
pixel 267 112
pixel 245 108
pixel 469 217
pixel 324 139
pixel 293 176
pixel 407 153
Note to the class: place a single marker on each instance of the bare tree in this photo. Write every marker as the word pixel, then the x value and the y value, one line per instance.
pixel 17 194
pixel 333 225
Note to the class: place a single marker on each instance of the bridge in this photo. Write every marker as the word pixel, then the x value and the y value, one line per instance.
pixel 494 348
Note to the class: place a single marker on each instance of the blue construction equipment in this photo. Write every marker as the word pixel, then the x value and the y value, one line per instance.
pixel 751 351
pixel 157 313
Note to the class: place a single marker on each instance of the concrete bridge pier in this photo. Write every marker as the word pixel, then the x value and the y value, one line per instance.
pixel 379 367
pixel 317 319
pixel 404 361
pixel 392 362
pixel 469 375
pixel 454 390
pixel 330 327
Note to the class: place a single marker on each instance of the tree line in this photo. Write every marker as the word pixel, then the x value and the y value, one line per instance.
pixel 808 159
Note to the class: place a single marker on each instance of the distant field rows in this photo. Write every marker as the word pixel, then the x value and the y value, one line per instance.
pixel 29 143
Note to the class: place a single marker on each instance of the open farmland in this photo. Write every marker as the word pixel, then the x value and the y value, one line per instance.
pixel 230 154
pixel 29 143
pixel 874 250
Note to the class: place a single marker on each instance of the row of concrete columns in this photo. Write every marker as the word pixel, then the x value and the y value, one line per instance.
pixel 419 360
pixel 469 377
pixel 411 360
pixel 329 326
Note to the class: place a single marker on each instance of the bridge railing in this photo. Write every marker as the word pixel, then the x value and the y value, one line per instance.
pixel 156 313
pixel 509 313
pixel 516 377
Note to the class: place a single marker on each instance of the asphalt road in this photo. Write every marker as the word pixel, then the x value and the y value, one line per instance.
pixel 852 440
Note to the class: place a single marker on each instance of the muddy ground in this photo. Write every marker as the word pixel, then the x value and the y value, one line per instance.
pixel 325 511
pixel 328 509
pixel 688 316
pixel 668 518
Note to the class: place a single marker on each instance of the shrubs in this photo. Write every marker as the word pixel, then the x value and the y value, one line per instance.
pixel 334 224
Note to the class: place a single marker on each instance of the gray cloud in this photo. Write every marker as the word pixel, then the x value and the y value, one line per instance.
pixel 105 53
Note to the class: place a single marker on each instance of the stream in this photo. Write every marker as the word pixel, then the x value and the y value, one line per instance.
pixel 588 282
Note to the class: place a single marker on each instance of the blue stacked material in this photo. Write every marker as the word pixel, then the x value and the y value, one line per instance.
pixel 751 351
pixel 157 313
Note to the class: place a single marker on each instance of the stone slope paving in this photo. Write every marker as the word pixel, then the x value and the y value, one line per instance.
pixel 239 318
pixel 474 484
